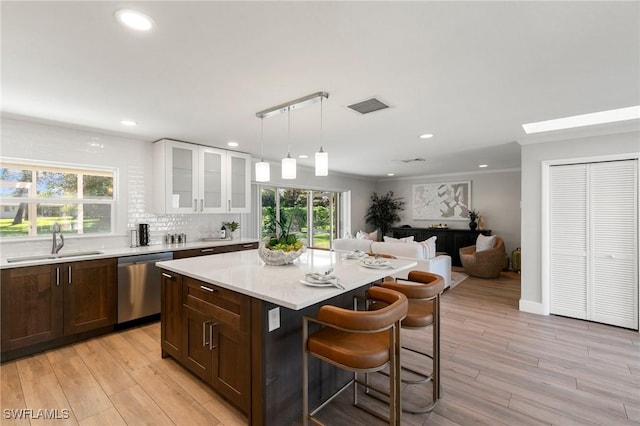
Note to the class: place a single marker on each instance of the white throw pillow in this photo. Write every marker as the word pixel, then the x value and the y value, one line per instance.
pixel 348 235
pixel 408 239
pixel 429 246
pixel 373 236
pixel 485 243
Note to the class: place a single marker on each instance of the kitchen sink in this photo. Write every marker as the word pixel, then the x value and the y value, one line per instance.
pixel 78 253
pixel 52 256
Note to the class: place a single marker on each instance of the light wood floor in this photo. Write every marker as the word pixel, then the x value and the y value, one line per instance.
pixel 499 366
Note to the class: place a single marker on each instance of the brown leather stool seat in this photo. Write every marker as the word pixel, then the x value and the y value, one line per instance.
pixel 358 341
pixel 423 290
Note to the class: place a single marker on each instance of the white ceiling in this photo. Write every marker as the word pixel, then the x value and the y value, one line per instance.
pixel 469 72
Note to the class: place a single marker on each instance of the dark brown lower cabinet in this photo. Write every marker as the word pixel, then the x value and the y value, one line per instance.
pixel 90 295
pixel 31 306
pixel 171 319
pixel 214 340
pixel 42 303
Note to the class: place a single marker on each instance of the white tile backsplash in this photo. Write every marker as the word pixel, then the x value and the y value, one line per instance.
pixel 42 142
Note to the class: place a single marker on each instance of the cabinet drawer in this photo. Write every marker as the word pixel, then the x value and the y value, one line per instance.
pixel 213 250
pixel 221 304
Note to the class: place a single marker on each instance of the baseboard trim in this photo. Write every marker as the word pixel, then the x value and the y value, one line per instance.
pixel 531 307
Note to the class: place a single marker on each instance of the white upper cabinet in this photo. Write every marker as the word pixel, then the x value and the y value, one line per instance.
pixel 191 178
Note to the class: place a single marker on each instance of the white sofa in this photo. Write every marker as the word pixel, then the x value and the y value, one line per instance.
pixel 440 265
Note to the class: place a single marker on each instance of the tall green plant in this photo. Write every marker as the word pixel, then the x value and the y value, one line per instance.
pixel 383 211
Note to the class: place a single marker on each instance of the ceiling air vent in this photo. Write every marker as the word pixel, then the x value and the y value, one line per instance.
pixel 367 106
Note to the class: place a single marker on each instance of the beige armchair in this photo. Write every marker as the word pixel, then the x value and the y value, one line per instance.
pixel 486 263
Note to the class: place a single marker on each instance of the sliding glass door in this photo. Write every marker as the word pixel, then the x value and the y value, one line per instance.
pixel 312 215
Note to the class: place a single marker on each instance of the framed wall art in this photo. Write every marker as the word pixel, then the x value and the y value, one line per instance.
pixel 440 201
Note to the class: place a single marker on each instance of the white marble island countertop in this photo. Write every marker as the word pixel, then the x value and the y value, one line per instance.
pixel 245 273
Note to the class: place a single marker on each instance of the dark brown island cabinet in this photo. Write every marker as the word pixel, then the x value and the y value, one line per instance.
pixel 206 328
pixel 224 338
pixel 46 303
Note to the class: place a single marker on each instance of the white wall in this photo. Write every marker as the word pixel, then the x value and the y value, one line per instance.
pixel 55 143
pixel 495 195
pixel 532 158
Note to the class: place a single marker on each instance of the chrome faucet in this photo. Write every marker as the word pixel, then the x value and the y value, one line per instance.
pixel 55 248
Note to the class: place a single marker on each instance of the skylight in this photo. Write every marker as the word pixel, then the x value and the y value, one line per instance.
pixel 602 117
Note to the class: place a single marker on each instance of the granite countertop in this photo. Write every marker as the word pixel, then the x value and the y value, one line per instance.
pixel 68 256
pixel 245 273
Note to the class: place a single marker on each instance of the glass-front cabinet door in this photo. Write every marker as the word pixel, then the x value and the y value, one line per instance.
pixel 181 178
pixel 213 170
pixel 238 187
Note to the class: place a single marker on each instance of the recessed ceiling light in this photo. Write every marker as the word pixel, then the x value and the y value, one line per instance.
pixel 391 174
pixel 129 123
pixel 303 156
pixel 602 117
pixel 482 166
pixel 134 19
pixel 233 144
pixel 426 136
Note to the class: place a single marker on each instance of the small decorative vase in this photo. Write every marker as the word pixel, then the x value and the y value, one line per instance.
pixel 473 225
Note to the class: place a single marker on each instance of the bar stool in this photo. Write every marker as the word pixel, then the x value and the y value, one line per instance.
pixel 423 290
pixel 360 342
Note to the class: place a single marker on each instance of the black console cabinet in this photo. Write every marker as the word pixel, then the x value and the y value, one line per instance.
pixel 449 240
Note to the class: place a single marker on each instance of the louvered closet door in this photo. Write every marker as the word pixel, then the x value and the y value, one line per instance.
pixel 614 243
pixel 569 240
pixel 594 242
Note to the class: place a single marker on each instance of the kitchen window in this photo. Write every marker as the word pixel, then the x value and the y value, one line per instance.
pixel 35 196
pixel 313 214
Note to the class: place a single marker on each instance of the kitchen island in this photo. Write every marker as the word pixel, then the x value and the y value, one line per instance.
pixel 237 324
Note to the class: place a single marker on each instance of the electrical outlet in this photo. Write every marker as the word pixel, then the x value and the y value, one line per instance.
pixel 274 319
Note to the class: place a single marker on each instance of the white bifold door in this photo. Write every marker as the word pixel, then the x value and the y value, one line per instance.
pixel 594 242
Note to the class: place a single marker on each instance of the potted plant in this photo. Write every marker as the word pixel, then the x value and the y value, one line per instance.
pixel 281 246
pixel 232 227
pixel 383 211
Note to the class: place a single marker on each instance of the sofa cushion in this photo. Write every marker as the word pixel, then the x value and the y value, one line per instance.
pixel 408 239
pixel 429 247
pixel 413 250
pixel 373 236
pixel 485 243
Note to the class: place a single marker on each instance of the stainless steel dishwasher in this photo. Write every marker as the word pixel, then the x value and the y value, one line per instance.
pixel 139 285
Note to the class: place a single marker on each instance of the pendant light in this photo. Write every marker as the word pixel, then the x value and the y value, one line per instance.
pixel 263 172
pixel 322 158
pixel 288 163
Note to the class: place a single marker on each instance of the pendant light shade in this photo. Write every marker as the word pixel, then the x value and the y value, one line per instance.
pixel 263 171
pixel 322 163
pixel 288 167
pixel 288 163
pixel 322 158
